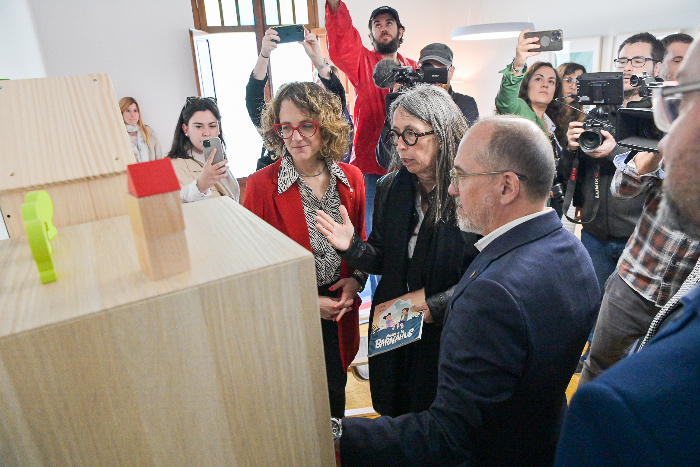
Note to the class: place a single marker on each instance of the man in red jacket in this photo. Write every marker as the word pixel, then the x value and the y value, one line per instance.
pixel 357 62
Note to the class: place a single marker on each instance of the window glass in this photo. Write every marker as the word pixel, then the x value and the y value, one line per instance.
pixel 213 14
pixel 245 11
pixel 286 12
pixel 229 9
pixel 271 17
pixel 289 63
pixel 231 53
pixel 302 12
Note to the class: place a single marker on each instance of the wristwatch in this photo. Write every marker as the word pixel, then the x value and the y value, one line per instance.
pixel 337 427
pixel 324 65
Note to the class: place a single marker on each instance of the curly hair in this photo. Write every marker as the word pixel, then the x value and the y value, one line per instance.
pixel 319 105
pixel 555 110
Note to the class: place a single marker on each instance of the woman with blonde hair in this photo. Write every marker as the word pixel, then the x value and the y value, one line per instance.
pixel 144 141
pixel 304 124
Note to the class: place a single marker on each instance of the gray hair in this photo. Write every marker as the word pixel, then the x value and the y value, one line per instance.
pixel 519 145
pixel 434 106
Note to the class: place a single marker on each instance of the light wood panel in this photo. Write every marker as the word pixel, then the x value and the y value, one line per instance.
pixel 65 135
pixel 220 365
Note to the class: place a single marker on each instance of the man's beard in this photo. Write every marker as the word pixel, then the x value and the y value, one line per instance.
pixel 388 47
pixel 479 218
pixel 671 215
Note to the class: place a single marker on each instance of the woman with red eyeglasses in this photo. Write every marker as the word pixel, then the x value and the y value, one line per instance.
pixel 305 124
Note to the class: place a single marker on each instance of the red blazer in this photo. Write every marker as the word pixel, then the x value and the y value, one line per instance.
pixel 286 213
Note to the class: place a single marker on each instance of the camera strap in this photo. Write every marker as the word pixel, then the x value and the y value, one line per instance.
pixel 571 188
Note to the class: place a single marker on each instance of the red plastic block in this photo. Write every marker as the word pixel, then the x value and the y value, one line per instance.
pixel 152 178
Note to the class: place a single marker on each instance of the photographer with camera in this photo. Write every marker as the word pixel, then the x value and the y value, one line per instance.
pixel 652 268
pixel 432 56
pixel 607 221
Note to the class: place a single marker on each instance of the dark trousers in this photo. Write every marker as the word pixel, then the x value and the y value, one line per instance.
pixel 624 317
pixel 336 375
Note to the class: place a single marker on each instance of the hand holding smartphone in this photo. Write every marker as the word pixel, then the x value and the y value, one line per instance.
pixel 292 33
pixel 549 40
pixel 209 144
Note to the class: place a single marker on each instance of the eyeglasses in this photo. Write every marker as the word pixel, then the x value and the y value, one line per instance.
pixel 305 129
pixel 570 80
pixel 192 99
pixel 455 175
pixel 666 102
pixel 408 136
pixel 637 62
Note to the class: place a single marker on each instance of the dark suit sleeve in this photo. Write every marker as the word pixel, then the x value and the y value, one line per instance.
pixel 601 430
pixel 483 353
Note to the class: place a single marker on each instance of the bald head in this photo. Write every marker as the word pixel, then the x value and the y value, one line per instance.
pixel 517 144
pixel 506 165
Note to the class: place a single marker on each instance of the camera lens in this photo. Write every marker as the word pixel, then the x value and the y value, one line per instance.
pixel 590 140
pixel 206 143
pixel 556 36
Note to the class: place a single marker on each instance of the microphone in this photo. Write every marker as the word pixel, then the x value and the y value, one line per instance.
pixel 384 74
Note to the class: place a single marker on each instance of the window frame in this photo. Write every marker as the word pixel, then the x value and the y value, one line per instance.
pixel 200 18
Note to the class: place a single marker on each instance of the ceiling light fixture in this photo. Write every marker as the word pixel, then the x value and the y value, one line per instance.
pixel 487 31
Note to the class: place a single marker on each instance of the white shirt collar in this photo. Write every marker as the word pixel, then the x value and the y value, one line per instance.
pixel 483 243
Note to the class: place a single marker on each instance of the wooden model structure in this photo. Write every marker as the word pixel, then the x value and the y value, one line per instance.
pixel 64 135
pixel 221 365
pixel 155 211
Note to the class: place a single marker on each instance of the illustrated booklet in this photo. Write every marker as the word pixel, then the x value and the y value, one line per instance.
pixel 394 324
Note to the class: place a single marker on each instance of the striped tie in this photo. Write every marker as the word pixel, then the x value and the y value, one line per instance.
pixel 670 306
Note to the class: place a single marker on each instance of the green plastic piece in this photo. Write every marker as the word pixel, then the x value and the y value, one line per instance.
pixel 37 214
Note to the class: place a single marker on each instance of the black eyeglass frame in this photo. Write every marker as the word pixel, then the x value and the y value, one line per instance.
pixel 620 65
pixel 395 141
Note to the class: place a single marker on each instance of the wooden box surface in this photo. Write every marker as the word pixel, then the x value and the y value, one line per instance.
pixel 220 365
pixel 64 135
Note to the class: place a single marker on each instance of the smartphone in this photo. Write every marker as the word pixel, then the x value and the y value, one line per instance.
pixel 549 40
pixel 209 145
pixel 293 33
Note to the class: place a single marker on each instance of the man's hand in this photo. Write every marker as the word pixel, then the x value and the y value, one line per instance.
pixel 647 162
pixel 606 147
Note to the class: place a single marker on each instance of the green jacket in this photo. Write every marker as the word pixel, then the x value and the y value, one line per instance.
pixel 508 102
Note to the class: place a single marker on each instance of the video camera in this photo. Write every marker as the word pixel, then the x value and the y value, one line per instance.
pixel 633 128
pixel 387 73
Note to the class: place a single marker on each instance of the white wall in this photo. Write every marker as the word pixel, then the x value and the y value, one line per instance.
pixel 143 45
pixel 477 63
pixel 20 54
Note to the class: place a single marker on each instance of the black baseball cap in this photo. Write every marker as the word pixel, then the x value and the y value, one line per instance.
pixel 438 52
pixel 384 9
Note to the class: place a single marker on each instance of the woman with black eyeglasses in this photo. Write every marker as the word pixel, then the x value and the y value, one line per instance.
pixel 199 179
pixel 304 124
pixel 415 242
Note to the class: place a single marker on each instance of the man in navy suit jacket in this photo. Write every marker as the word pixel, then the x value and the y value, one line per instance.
pixel 515 327
pixel 646 409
